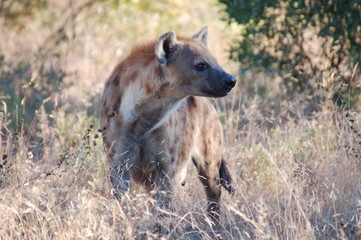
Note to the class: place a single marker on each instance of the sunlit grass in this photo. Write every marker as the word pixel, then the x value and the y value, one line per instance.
pixel 296 161
pixel 294 181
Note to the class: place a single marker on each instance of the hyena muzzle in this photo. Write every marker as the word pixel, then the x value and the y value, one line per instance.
pixel 156 119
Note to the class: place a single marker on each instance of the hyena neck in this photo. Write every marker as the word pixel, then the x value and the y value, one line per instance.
pixel 154 114
pixel 147 109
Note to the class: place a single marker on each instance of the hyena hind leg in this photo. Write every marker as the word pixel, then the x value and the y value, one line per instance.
pixel 213 176
pixel 210 179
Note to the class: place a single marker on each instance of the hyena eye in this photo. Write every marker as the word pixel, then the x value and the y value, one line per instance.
pixel 201 66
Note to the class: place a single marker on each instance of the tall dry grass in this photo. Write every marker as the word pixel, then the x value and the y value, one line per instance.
pixel 299 179
pixel 296 161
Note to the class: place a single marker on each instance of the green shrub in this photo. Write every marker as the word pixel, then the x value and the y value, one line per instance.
pixel 297 39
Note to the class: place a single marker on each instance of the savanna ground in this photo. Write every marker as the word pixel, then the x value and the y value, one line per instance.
pixel 296 161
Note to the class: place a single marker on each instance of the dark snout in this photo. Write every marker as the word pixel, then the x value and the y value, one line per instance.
pixel 230 81
pixel 224 83
pixel 218 84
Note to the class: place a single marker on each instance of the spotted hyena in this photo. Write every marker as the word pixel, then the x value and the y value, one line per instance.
pixel 156 119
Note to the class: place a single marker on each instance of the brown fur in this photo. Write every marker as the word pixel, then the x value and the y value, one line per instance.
pixel 153 125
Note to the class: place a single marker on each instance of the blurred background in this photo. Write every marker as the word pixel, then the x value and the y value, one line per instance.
pixel 292 125
pixel 63 51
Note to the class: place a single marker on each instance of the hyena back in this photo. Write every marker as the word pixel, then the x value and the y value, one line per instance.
pixel 155 119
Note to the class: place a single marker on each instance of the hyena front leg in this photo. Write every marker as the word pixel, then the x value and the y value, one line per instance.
pixel 120 167
pixel 158 147
pixel 119 178
pixel 163 185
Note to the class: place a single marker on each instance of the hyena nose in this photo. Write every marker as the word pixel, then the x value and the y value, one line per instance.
pixel 231 81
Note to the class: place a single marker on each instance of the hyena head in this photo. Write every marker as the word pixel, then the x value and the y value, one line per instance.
pixel 193 69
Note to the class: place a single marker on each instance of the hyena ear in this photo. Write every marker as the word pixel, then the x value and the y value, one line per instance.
pixel 165 46
pixel 202 35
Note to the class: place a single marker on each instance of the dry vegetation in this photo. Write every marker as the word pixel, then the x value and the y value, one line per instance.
pixel 296 161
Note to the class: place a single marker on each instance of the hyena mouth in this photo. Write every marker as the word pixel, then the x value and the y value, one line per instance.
pixel 220 92
pixel 222 88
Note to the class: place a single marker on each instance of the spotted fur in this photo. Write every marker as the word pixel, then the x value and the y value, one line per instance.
pixel 156 119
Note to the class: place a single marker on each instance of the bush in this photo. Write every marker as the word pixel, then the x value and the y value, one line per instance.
pixel 297 39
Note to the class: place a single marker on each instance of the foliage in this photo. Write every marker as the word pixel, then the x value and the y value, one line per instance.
pixel 24 87
pixel 297 38
pixel 12 11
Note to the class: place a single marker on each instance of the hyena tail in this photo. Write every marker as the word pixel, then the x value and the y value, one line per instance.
pixel 226 179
